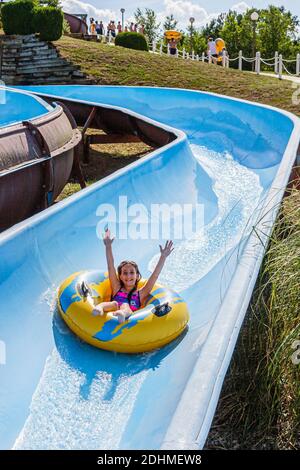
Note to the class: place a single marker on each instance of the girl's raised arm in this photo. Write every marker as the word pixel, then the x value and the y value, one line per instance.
pixel 114 281
pixel 164 253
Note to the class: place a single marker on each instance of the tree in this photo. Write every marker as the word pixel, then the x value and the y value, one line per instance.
pixel 50 3
pixel 199 42
pixel 190 43
pixel 232 33
pixel 66 27
pixel 277 31
pixel 170 23
pixel 149 20
pixel 215 27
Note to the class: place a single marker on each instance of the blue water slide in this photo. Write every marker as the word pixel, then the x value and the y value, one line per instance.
pixel 231 159
pixel 16 106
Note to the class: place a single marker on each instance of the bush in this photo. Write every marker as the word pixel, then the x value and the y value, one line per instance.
pixel 17 17
pixel 132 41
pixel 26 17
pixel 66 27
pixel 48 22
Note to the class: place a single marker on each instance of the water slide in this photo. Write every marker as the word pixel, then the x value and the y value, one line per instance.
pixel 37 154
pixel 77 24
pixel 230 157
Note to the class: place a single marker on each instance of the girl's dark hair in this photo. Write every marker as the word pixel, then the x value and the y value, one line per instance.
pixel 139 276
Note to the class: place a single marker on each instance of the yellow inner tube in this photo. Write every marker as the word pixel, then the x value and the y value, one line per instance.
pixel 220 45
pixel 143 331
pixel 173 35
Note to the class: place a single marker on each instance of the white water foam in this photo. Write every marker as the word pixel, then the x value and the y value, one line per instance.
pixel 62 417
pixel 238 191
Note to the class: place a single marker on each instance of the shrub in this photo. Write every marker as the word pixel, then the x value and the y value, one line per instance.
pixel 48 22
pixel 66 27
pixel 17 17
pixel 132 40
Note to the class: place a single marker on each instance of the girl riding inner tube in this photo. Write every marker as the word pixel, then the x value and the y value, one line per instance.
pixel 160 321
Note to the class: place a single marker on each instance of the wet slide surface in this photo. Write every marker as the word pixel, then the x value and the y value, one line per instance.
pixel 16 107
pixel 230 157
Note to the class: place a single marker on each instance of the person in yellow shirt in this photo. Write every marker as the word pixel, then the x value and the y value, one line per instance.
pixel 93 28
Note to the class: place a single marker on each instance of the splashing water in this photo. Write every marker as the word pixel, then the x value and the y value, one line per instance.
pixel 238 191
pixel 68 413
pixel 49 297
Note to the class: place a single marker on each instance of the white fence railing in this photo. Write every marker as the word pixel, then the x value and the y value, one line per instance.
pixel 103 38
pixel 278 65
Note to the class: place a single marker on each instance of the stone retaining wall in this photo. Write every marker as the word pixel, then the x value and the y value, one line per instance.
pixel 25 60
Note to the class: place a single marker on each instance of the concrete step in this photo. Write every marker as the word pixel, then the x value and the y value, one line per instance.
pixel 43 81
pixel 42 75
pixel 37 64
pixel 49 80
pixel 45 53
pixel 9 61
pixel 46 69
pixel 10 53
pixel 36 46
pixel 24 52
pixel 8 68
pixel 41 54
pixel 25 61
pixel 15 54
pixel 12 44
pixel 29 38
pixel 45 73
pixel 7 79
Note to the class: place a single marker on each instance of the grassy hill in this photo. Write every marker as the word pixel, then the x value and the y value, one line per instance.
pixel 110 65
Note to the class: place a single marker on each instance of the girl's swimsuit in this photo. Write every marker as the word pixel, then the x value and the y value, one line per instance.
pixel 122 298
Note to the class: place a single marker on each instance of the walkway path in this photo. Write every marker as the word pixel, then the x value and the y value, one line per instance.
pixel 284 77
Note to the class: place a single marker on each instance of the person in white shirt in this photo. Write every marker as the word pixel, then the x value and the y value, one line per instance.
pixel 212 49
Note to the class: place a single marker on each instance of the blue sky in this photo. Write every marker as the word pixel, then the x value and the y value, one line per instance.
pixel 201 10
pixel 208 5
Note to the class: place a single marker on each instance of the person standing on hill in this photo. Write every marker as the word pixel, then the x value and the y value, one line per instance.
pixel 101 28
pixel 119 27
pixel 113 29
pixel 93 28
pixel 212 50
pixel 142 29
pixel 173 46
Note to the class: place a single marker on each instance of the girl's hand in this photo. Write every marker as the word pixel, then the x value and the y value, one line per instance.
pixel 107 240
pixel 167 250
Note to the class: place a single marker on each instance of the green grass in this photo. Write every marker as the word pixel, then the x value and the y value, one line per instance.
pixel 110 65
pixel 259 407
pixel 260 402
pixel 104 160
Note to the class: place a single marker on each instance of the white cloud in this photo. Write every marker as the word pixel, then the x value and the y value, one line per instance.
pixel 183 10
pixel 75 6
pixel 241 7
